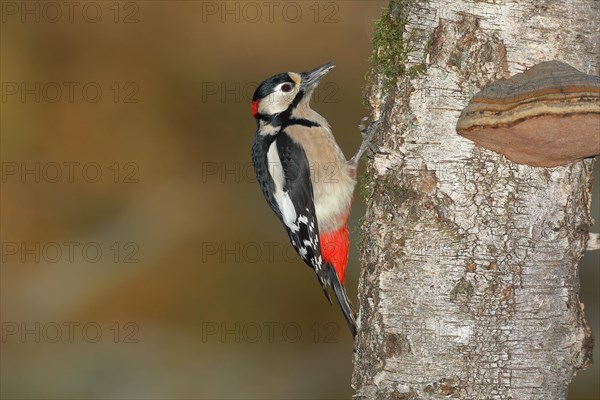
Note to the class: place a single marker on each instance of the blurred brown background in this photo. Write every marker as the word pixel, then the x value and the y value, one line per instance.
pixel 139 259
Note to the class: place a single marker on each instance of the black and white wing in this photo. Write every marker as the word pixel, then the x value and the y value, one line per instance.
pixel 290 171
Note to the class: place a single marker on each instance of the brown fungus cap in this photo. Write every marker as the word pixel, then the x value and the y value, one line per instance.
pixel 546 116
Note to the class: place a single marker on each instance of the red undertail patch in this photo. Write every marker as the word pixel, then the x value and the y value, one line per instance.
pixel 334 249
pixel 255 108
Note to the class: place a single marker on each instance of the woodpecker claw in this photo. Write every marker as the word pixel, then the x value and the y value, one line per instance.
pixel 372 150
pixel 366 132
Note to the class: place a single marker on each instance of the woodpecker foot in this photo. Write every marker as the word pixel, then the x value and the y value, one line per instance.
pixel 367 135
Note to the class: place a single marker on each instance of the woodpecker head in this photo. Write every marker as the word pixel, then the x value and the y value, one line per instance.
pixel 278 96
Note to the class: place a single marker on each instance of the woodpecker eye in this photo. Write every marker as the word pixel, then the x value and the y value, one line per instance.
pixel 286 87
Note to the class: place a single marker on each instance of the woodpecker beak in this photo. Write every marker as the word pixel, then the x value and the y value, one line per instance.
pixel 311 79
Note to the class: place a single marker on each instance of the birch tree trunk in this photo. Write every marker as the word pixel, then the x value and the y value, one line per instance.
pixel 469 285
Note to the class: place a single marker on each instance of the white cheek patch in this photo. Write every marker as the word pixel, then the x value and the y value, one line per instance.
pixel 277 101
pixel 271 104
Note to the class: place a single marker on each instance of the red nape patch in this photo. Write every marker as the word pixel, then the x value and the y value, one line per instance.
pixel 255 108
pixel 334 249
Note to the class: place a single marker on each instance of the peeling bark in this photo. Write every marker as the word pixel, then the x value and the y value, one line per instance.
pixel 469 286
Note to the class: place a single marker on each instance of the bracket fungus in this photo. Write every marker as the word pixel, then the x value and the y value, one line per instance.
pixel 546 116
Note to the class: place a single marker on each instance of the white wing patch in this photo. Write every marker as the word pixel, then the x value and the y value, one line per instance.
pixel 275 168
pixel 289 213
pixel 284 202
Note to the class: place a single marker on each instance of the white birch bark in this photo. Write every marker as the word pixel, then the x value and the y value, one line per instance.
pixel 469 285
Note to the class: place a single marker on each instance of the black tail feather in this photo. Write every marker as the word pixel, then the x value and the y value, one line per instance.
pixel 324 286
pixel 342 298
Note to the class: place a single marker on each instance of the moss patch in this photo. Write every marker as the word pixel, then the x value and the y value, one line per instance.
pixel 391 46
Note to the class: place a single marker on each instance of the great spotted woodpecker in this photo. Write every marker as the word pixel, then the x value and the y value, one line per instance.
pixel 305 177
